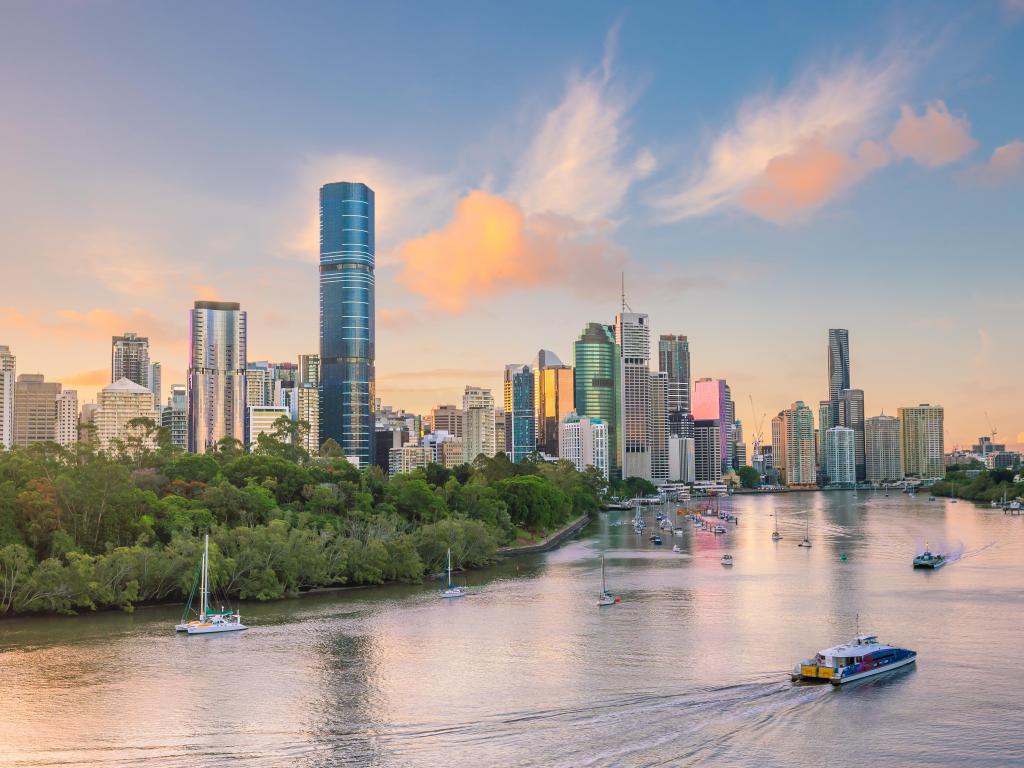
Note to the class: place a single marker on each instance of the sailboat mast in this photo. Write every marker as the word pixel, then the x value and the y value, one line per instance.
pixel 449 566
pixel 603 589
pixel 206 575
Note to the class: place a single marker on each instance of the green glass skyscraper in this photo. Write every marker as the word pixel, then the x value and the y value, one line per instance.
pixel 596 362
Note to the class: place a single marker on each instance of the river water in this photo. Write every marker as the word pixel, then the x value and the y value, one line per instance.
pixel 691 668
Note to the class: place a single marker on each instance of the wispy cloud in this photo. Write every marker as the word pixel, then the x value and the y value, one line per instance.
pixel 580 163
pixel 74 324
pixel 1006 165
pixel 785 155
pixel 935 138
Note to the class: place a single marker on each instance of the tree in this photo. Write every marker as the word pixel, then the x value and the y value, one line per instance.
pixel 749 477
pixel 330 448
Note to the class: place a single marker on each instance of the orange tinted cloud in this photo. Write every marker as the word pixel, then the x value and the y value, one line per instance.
pixel 794 185
pixel 72 324
pixel 934 139
pixel 394 318
pixel 491 247
pixel 1005 165
pixel 97 378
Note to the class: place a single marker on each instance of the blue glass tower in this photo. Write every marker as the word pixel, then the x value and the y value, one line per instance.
pixel 347 318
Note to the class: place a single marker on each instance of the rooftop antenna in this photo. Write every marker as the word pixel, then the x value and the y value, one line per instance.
pixel 625 306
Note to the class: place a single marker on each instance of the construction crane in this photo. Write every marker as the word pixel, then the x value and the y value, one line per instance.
pixel 992 432
pixel 758 425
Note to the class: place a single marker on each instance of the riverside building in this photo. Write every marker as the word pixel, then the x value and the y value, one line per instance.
pixel 596 391
pixel 882 447
pixel 216 374
pixel 921 440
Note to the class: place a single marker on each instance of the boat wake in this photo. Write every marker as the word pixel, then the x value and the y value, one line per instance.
pixel 963 555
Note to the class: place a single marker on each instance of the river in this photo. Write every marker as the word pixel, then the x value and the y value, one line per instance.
pixel 691 668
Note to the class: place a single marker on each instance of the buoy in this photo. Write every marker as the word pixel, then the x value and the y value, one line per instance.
pixel 843 556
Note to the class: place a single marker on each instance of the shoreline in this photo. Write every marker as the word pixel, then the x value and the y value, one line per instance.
pixel 551 542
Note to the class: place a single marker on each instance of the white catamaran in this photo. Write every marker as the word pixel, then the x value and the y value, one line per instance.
pixel 209 622
pixel 451 590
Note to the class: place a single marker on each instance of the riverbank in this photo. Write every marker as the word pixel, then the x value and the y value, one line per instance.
pixel 551 542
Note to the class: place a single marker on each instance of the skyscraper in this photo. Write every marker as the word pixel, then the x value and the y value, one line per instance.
pixel 118 405
pixel 35 414
pixel 66 422
pixel 712 400
pixel 447 418
pixel 674 360
pixel 884 459
pixel 596 363
pixel 307 409
pixel 659 427
pixel 478 421
pixel 584 441
pixel 520 417
pixel 309 370
pixel 633 335
pixel 798 426
pixel 838 361
pixel 851 414
pixel 840 467
pixel 826 420
pixel 553 394
pixel 7 378
pixel 175 416
pixel 707 450
pixel 156 382
pixel 347 335
pixel 216 374
pixel 129 358
pixel 922 440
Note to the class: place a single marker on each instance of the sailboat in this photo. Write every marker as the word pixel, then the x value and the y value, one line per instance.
pixel 451 590
pixel 775 534
pixel 606 597
pixel 209 621
pixel 807 533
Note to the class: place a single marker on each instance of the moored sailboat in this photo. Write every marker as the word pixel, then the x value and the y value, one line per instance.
pixel 606 597
pixel 209 621
pixel 452 590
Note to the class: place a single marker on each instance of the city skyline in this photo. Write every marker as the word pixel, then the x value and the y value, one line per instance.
pixel 243 229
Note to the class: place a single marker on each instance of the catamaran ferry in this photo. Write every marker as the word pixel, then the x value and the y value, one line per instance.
pixel 863 657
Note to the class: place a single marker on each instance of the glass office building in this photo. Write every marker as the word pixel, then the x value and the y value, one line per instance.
pixel 596 363
pixel 216 374
pixel 347 318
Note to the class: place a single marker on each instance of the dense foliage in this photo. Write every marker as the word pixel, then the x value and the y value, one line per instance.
pixel 80 529
pixel 990 485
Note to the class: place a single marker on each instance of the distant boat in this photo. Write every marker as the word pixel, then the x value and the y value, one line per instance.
pixel 929 559
pixel 775 534
pixel 676 549
pixel 606 597
pixel 807 533
pixel 864 656
pixel 656 539
pixel 209 622
pixel 720 529
pixel 451 590
pixel 727 560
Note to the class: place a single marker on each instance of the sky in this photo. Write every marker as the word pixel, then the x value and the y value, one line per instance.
pixel 758 172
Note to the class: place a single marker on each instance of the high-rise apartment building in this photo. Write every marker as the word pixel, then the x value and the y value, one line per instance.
pixel 407 458
pixel 798 425
pixel 7 380
pixel 554 398
pixel 851 414
pixel 347 331
pixel 520 417
pixel 129 358
pixel 922 440
pixel 66 421
pixel 500 443
pixel 119 404
pixel 827 418
pixel 838 361
pixel 840 464
pixel 309 370
pixel 478 422
pixel 216 374
pixel 882 449
pixel 597 371
pixel 307 409
pixel 674 360
pixel 259 384
pixel 633 335
pixel 779 444
pixel 584 441
pixel 707 451
pixel 156 382
pixel 659 427
pixel 261 421
pixel 712 400
pixel 35 416
pixel 447 418
pixel 681 459
pixel 174 417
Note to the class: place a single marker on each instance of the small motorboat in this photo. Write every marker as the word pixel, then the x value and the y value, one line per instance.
pixel 929 559
pixel 676 549
pixel 727 560
pixel 862 657
pixel 656 539
pixel 720 529
pixel 677 531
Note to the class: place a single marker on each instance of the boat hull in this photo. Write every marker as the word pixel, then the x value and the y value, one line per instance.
pixel 213 629
pixel 872 672
pixel 450 593
pixel 930 565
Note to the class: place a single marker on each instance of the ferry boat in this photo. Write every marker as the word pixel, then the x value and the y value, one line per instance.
pixel 862 657
pixel 929 559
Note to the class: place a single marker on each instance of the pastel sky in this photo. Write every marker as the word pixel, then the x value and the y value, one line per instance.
pixel 761 172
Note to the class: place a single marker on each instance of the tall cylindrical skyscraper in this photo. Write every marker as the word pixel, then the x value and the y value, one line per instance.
pixel 216 374
pixel 347 318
